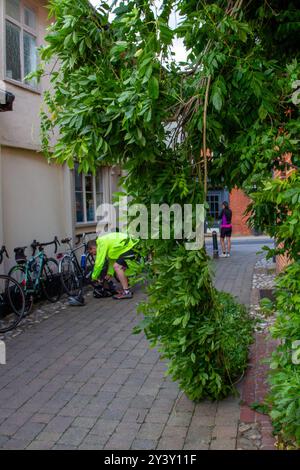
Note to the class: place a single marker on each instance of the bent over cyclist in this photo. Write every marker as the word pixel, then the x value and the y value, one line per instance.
pixel 117 248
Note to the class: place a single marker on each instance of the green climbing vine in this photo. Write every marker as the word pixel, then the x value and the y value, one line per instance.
pixel 116 89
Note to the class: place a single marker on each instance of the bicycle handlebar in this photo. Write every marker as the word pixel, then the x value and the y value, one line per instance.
pixel 34 245
pixel 3 251
pixel 79 236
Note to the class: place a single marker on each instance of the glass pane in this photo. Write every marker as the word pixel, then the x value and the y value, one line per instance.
pixel 99 188
pixel 90 210
pixel 89 183
pixel 13 60
pixel 13 9
pixel 78 181
pixel 29 18
pixel 30 55
pixel 79 207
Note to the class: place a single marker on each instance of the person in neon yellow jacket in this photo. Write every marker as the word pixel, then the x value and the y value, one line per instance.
pixel 117 248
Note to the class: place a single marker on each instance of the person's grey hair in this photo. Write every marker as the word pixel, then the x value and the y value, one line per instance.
pixel 91 244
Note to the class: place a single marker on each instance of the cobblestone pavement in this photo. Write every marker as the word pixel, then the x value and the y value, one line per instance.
pixel 81 380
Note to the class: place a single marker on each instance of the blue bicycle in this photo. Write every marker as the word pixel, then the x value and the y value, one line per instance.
pixel 38 276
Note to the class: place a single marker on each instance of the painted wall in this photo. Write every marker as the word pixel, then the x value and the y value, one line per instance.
pixel 21 128
pixel 36 199
pixel 35 202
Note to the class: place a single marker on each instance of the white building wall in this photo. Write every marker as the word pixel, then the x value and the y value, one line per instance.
pixel 34 202
pixel 36 199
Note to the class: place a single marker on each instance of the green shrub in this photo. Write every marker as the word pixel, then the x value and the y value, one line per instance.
pixel 284 378
pixel 203 333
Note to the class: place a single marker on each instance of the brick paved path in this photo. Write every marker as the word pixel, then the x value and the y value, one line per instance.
pixel 255 389
pixel 80 379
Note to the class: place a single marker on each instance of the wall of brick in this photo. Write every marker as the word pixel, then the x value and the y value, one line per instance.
pixel 239 202
pixel 281 262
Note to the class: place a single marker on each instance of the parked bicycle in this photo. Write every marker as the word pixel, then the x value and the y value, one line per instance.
pixel 38 275
pixel 12 300
pixel 74 274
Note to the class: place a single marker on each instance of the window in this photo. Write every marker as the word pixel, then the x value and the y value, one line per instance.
pixel 214 203
pixel 21 41
pixel 88 196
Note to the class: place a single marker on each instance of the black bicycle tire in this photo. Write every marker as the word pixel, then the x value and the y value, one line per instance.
pixel 20 315
pixel 90 262
pixel 77 279
pixel 45 285
pixel 28 297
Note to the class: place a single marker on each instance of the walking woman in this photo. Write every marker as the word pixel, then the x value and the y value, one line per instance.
pixel 226 229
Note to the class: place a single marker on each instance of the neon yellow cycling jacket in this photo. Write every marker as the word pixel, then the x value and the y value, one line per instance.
pixel 111 247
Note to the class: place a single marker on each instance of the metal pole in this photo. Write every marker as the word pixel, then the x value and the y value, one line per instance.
pixel 215 245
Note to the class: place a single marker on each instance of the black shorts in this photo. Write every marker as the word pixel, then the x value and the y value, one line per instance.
pixel 128 255
pixel 226 232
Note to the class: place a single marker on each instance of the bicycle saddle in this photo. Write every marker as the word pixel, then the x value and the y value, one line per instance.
pixel 66 240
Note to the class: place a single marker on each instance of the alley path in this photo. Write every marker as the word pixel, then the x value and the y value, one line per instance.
pixel 81 380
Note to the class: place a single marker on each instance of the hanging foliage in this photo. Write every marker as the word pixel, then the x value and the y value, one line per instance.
pixel 116 91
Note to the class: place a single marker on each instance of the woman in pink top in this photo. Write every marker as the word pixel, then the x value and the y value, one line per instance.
pixel 226 229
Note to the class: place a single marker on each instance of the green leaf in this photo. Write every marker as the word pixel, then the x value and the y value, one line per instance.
pixel 262 112
pixel 217 99
pixel 153 87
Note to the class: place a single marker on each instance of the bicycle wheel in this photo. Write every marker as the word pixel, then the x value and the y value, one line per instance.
pixel 12 303
pixel 70 276
pixel 18 273
pixel 90 261
pixel 51 280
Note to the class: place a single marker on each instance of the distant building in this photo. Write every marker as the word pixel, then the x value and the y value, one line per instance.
pixel 238 202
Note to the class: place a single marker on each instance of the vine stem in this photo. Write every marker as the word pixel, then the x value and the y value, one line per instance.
pixel 204 135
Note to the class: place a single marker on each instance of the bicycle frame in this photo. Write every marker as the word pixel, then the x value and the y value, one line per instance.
pixel 72 253
pixel 28 269
pixel 81 274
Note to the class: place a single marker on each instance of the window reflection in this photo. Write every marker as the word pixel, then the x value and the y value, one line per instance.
pixel 13 9
pixel 90 209
pixel 13 60
pixel 30 55
pixel 79 207
pixel 89 194
pixel 30 18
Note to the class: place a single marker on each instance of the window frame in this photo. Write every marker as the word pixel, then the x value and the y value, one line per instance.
pixel 23 28
pixel 83 178
pixel 214 198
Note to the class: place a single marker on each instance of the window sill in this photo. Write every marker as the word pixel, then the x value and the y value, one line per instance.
pixel 85 224
pixel 36 91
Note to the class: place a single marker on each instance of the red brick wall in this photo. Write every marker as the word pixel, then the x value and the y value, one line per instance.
pixel 239 202
pixel 281 262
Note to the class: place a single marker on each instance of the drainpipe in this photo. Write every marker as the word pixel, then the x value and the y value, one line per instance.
pixel 1 210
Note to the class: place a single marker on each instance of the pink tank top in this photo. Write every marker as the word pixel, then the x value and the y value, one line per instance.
pixel 224 223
